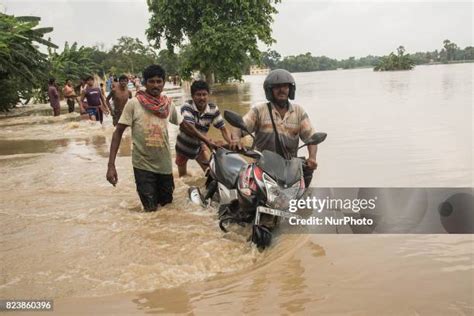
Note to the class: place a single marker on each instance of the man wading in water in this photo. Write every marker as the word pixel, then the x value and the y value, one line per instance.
pixel 96 105
pixel 68 92
pixel 148 114
pixel 119 95
pixel 53 95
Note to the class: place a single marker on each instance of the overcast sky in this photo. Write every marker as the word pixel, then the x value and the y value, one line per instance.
pixel 333 28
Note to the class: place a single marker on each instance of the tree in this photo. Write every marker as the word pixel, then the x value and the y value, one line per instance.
pixel 450 49
pixel 348 63
pixel 130 55
pixel 469 53
pixel 222 35
pixel 169 61
pixel 306 62
pixel 401 61
pixel 23 68
pixel 72 63
pixel 99 55
pixel 271 58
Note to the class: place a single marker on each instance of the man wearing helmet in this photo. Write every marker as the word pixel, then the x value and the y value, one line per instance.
pixel 289 119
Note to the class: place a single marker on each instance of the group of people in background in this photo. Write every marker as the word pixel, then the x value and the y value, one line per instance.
pixel 175 80
pixel 94 100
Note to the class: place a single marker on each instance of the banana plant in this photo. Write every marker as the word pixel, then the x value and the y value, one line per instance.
pixel 23 67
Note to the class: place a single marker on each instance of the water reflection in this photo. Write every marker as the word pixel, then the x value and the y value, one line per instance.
pixel 30 146
pixel 293 285
pixel 234 97
pixel 99 143
pixel 169 301
pixel 399 83
pixel 447 84
pixel 95 145
pixel 254 294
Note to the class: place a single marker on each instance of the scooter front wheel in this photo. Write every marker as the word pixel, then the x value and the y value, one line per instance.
pixel 261 236
pixel 225 220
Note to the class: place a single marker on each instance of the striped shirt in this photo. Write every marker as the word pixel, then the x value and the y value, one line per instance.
pixel 189 146
pixel 295 125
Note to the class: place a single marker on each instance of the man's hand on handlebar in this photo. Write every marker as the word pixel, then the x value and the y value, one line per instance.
pixel 213 145
pixel 236 145
pixel 220 143
pixel 311 163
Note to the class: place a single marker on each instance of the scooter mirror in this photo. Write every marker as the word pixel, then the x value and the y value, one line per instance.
pixel 235 120
pixel 315 139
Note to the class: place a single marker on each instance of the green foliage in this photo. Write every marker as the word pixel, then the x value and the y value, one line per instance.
pixel 22 66
pixel 222 35
pixel 468 53
pixel 306 62
pixel 221 39
pixel 270 59
pixel 72 63
pixel 448 54
pixel 352 62
pixel 401 61
pixel 129 55
pixel 169 61
pixel 449 51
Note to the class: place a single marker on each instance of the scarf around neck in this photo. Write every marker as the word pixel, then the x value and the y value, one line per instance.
pixel 158 106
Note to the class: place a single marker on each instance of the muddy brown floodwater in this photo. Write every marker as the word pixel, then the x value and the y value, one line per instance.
pixel 68 235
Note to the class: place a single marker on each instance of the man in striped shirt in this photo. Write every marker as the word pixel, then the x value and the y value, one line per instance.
pixel 200 114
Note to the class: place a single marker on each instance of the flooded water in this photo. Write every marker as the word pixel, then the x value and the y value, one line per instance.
pixel 67 234
pixel 403 128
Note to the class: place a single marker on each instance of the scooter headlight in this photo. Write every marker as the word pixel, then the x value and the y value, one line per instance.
pixel 277 196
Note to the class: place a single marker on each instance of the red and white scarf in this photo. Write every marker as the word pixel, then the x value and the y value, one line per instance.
pixel 158 106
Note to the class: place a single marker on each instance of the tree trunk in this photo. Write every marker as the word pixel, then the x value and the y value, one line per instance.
pixel 209 75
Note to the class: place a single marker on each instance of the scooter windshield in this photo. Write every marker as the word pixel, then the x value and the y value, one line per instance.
pixel 285 172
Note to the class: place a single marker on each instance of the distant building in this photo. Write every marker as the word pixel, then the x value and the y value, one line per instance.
pixel 256 70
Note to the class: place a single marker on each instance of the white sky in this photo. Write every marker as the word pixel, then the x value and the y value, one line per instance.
pixel 333 28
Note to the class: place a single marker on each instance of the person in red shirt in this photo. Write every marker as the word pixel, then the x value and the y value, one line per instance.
pixel 53 95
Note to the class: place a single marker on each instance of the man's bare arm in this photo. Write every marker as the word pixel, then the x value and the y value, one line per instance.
pixel 106 108
pixel 251 122
pixel 81 101
pixel 311 161
pixel 112 176
pixel 191 130
pixel 107 100
pixel 226 134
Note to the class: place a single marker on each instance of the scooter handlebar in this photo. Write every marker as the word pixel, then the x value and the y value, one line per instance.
pixel 247 151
